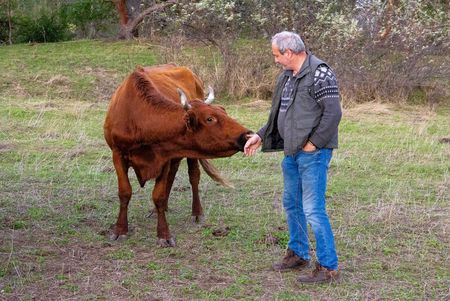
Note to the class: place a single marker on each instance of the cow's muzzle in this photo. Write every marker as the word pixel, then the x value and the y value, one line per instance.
pixel 243 139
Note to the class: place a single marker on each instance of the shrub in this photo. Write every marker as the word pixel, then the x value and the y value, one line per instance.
pixel 251 74
pixel 402 51
pixel 4 30
pixel 47 27
pixel 89 18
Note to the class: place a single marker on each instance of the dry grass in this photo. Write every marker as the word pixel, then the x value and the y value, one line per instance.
pixel 252 73
pixel 388 199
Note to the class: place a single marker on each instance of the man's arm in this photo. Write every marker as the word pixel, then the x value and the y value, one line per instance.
pixel 327 96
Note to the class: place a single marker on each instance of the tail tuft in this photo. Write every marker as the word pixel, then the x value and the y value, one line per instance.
pixel 214 173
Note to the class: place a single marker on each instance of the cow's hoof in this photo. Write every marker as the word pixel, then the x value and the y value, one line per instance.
pixel 118 237
pixel 166 243
pixel 198 219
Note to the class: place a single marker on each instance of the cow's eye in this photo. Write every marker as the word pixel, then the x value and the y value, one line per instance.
pixel 210 119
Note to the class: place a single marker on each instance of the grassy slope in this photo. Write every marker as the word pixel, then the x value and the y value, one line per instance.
pixel 388 198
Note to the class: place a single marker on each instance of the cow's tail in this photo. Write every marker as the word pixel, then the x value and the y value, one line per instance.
pixel 214 173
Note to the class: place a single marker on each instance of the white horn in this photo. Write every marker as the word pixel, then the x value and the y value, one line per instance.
pixel 210 97
pixel 183 100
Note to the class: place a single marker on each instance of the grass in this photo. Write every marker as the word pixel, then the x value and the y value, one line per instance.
pixel 388 198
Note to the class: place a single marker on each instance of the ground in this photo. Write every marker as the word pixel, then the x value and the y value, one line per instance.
pixel 388 198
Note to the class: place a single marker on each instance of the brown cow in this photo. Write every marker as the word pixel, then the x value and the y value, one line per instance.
pixel 147 129
pixel 193 166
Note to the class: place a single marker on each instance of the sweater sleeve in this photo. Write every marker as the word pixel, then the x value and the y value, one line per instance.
pixel 327 96
pixel 262 131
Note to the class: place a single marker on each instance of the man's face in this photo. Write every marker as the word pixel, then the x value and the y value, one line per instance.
pixel 282 59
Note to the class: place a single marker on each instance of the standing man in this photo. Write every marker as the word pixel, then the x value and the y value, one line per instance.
pixel 303 122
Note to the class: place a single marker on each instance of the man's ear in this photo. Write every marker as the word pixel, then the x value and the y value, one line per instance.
pixel 191 120
pixel 289 53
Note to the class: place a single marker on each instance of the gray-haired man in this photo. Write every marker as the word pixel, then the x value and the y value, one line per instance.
pixel 303 123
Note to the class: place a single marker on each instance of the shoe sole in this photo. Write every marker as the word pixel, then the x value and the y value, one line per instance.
pixel 298 268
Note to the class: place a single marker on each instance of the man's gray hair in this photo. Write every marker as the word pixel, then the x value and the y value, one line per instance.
pixel 288 40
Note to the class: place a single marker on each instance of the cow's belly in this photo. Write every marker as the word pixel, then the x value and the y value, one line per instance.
pixel 146 163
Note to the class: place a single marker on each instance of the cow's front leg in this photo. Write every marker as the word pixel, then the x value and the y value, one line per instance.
pixel 120 229
pixel 194 179
pixel 160 197
pixel 174 164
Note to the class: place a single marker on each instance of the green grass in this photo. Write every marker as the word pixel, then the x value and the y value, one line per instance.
pixel 388 197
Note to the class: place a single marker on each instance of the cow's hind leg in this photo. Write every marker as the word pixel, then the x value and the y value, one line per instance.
pixel 160 197
pixel 121 227
pixel 194 179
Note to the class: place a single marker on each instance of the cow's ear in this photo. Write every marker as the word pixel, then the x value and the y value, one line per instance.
pixel 191 120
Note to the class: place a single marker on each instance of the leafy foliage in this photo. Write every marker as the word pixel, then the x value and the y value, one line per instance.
pixel 89 18
pixel 47 27
pixel 391 52
pixel 3 29
pixel 380 49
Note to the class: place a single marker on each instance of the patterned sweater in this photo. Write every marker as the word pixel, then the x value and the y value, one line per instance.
pixel 326 92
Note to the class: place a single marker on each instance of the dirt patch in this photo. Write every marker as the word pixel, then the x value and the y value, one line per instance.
pixel 6 147
pixel 107 169
pixel 369 108
pixel 181 188
pixel 214 282
pixel 270 240
pixel 221 231
pixel 389 114
pixel 19 90
pixel 46 106
pixel 106 82
pixel 58 80
pixel 258 104
pixel 76 153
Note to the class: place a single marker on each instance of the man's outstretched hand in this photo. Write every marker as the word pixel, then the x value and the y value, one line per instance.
pixel 253 142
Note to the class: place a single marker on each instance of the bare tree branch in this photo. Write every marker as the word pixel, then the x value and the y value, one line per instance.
pixel 129 23
pixel 134 23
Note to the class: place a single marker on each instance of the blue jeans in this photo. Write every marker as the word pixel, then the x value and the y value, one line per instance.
pixel 305 183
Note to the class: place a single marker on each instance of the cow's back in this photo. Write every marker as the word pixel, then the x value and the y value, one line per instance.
pixel 139 106
pixel 167 78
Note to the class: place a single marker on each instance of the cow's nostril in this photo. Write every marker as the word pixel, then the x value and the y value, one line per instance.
pixel 248 135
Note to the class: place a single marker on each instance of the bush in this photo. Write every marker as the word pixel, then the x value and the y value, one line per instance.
pixel 4 30
pixel 89 18
pixel 5 18
pixel 412 56
pixel 47 27
pixel 252 70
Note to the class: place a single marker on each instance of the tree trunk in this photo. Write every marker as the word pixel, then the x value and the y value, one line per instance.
pixel 387 20
pixel 121 7
pixel 130 20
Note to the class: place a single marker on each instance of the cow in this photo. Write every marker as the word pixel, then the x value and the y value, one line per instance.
pixel 155 118
pixel 193 166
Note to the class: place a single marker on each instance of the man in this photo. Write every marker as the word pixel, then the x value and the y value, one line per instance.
pixel 303 122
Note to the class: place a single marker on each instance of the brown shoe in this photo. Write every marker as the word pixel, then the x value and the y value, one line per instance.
pixel 290 262
pixel 320 275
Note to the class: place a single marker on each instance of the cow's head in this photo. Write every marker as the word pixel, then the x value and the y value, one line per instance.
pixel 212 131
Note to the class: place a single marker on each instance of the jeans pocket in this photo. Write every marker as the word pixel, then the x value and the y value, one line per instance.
pixel 311 153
